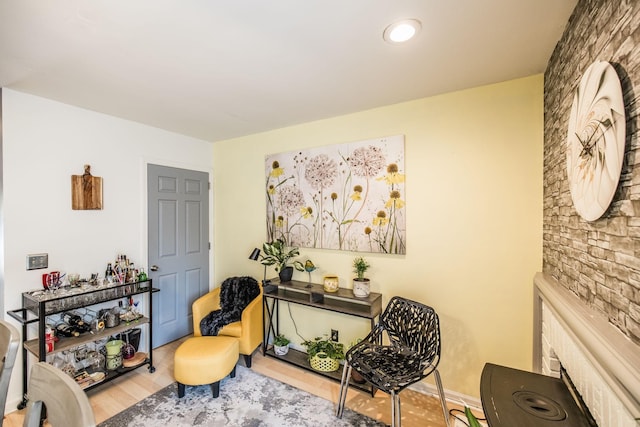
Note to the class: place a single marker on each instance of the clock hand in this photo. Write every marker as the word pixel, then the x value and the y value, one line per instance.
pixel 606 123
pixel 586 149
pixel 586 146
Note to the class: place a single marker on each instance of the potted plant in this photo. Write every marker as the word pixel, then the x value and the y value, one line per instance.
pixel 324 355
pixel 277 254
pixel 361 286
pixel 281 345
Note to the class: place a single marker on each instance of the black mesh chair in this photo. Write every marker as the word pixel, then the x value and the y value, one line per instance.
pixel 413 332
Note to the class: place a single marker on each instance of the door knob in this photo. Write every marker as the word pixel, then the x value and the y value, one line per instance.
pixel 154 268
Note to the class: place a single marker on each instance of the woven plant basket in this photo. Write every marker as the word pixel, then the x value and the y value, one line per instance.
pixel 320 362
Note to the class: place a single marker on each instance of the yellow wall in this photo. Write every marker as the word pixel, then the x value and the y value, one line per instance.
pixel 474 218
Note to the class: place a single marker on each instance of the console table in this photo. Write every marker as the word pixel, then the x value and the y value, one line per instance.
pixel 313 295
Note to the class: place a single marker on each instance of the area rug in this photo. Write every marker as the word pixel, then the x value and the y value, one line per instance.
pixel 250 399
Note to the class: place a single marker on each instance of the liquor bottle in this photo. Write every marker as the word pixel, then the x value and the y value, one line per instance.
pixel 109 273
pixel 66 331
pixel 131 273
pixel 75 321
pixel 85 327
pixel 72 318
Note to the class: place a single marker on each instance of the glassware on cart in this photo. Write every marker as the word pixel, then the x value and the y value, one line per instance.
pixel 73 279
pixel 128 350
pixel 88 358
pixel 67 363
pixel 51 280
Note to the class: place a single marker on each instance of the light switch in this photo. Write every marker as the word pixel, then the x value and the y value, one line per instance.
pixel 37 261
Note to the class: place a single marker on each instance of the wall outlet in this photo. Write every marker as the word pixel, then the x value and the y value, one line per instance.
pixel 37 261
pixel 334 335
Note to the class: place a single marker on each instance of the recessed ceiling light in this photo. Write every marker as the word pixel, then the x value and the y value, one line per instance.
pixel 402 31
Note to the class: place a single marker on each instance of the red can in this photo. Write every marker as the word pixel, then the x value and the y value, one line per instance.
pixel 49 338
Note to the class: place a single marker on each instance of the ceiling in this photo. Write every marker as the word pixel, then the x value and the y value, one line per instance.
pixel 219 69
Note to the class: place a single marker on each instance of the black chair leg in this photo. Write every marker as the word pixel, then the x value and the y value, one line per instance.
pixel 396 416
pixel 181 388
pixel 215 389
pixel 247 360
pixel 233 373
pixel 344 387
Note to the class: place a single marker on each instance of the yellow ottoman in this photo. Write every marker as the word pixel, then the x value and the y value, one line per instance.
pixel 205 360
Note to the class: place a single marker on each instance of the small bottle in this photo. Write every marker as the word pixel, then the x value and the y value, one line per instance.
pixel 131 273
pixel 108 274
pixel 49 338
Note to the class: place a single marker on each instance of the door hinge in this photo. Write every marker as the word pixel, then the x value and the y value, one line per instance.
pixel 209 245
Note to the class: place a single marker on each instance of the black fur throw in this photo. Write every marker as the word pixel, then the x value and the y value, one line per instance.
pixel 235 294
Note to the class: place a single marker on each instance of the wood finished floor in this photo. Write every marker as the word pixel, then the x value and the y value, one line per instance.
pixel 417 409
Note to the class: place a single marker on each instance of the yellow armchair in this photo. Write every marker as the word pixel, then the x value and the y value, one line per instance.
pixel 248 330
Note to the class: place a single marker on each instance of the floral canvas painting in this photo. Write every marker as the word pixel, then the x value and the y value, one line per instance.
pixel 348 196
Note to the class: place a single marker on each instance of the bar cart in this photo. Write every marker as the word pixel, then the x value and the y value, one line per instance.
pixel 42 306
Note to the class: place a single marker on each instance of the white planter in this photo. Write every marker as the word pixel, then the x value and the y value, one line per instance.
pixel 361 288
pixel 280 350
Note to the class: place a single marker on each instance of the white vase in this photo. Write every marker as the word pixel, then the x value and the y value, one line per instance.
pixel 281 350
pixel 361 288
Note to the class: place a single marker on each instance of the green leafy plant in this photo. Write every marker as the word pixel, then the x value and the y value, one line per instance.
pixel 280 340
pixel 360 266
pixel 332 349
pixel 276 253
pixel 473 421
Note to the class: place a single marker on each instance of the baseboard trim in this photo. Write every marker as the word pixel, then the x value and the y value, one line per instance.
pixel 451 396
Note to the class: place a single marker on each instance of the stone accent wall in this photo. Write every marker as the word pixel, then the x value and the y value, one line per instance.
pixel 599 261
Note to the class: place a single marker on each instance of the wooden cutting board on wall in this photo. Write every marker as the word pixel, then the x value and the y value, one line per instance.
pixel 86 191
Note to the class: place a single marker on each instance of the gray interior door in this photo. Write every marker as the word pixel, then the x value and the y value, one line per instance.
pixel 178 211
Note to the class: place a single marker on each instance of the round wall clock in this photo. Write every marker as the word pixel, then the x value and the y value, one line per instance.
pixel 596 140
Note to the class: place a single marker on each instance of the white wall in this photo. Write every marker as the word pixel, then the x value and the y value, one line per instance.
pixel 45 142
pixel 474 218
